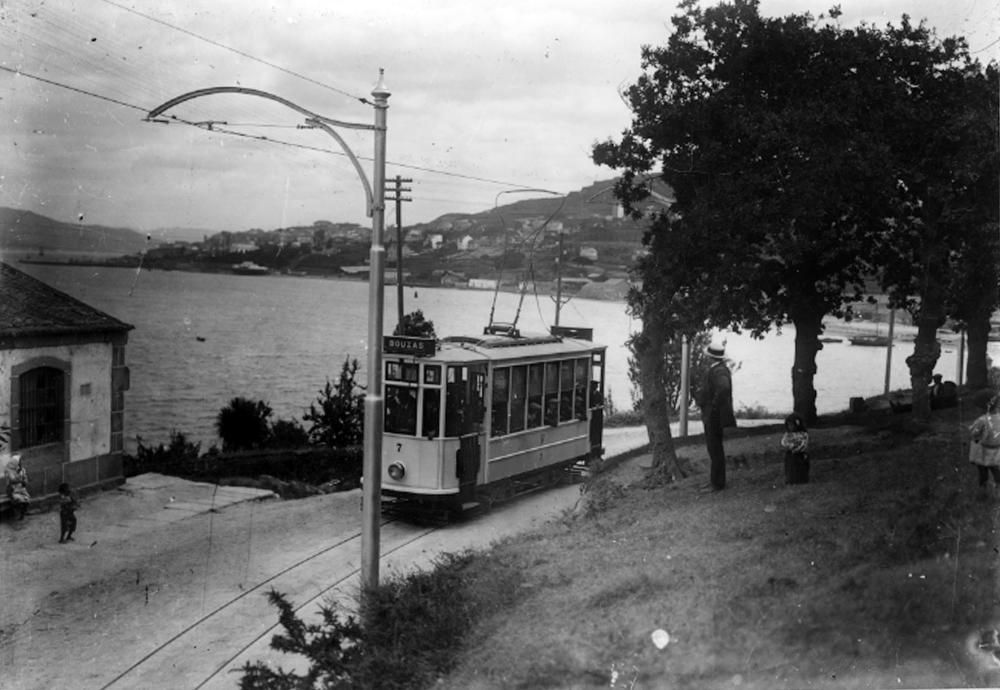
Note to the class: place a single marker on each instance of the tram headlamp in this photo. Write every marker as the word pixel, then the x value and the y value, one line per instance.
pixel 397 471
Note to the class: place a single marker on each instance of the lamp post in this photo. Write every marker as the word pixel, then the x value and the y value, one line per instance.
pixel 375 203
pixel 371 493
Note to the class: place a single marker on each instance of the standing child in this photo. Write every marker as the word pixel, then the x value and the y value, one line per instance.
pixel 795 441
pixel 984 451
pixel 68 504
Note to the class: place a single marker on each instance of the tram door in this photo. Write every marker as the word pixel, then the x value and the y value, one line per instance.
pixel 464 418
pixel 597 404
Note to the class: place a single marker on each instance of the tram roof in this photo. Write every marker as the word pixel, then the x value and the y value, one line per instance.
pixel 504 347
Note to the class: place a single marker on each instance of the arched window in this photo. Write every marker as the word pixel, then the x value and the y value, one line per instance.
pixel 42 409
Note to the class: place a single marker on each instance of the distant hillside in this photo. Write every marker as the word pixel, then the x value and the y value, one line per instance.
pixel 596 202
pixel 26 231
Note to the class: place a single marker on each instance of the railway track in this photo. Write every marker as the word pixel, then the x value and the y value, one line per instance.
pixel 203 653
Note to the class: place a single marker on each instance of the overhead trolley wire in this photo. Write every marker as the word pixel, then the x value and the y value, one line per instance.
pixel 221 127
pixel 238 52
pixel 74 88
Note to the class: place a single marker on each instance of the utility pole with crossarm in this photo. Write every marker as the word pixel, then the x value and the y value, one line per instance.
pixel 397 190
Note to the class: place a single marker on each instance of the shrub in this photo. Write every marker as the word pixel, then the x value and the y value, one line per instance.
pixel 179 457
pixel 415 624
pixel 243 424
pixel 287 433
pixel 338 420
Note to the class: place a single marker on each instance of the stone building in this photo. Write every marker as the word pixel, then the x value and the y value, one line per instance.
pixel 62 385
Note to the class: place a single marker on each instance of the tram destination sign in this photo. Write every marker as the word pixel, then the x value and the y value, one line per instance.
pixel 408 345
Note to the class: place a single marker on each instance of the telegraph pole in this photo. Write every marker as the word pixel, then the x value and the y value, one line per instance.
pixel 398 190
pixel 558 297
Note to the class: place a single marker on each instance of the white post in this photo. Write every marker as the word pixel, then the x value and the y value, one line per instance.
pixel 685 386
pixel 961 357
pixel 374 403
pixel 888 350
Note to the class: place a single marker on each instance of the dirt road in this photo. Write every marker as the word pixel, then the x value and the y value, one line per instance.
pixel 180 603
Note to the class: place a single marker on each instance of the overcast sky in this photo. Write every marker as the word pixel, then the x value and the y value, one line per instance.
pixel 484 98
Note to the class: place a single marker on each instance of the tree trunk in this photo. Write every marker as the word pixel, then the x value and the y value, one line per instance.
pixel 976 367
pixel 808 328
pixel 926 349
pixel 649 353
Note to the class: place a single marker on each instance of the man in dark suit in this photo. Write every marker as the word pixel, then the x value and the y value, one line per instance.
pixel 717 412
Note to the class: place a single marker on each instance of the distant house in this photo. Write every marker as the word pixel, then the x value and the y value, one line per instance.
pixel 435 240
pixel 452 278
pixel 482 284
pixel 465 243
pixel 62 385
pixel 589 253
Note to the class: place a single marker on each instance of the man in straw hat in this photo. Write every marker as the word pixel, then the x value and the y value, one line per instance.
pixel 716 403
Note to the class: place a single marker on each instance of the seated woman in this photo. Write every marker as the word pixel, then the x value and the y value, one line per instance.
pixel 17 486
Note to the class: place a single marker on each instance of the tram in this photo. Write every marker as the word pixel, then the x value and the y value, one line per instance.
pixel 469 419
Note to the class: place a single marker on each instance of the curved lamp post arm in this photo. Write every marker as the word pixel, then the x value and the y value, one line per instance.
pixel 375 196
pixel 312 119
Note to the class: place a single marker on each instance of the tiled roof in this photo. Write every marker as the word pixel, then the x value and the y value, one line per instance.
pixel 30 307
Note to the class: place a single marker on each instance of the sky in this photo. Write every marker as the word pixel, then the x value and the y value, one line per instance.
pixel 486 99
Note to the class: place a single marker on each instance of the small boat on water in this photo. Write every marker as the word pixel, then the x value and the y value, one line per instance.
pixel 870 340
pixel 831 339
pixel 249 268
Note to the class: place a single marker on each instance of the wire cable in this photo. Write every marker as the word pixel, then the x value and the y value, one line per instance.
pixel 238 52
pixel 73 88
pixel 212 126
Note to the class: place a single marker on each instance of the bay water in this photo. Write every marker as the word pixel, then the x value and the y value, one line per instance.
pixel 201 339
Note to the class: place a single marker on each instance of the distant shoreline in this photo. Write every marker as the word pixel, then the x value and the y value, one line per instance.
pixel 833 327
pixel 132 262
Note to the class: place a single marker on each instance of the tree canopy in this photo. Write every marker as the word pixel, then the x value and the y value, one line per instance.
pixel 781 139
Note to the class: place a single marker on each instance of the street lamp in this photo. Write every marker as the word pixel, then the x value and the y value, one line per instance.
pixel 375 202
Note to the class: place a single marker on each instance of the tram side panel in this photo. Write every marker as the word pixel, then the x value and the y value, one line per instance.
pixel 536 449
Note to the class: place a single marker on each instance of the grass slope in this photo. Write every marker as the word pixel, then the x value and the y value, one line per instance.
pixel 878 573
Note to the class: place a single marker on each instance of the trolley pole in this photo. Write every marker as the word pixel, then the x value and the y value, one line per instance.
pixel 374 403
pixel 398 197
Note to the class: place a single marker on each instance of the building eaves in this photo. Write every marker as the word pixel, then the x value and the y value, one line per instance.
pixel 30 307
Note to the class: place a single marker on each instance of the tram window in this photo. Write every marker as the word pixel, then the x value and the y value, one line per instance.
pixel 477 398
pixel 456 401
pixel 580 389
pixel 565 391
pixel 501 393
pixel 401 371
pixel 552 393
pixel 431 421
pixel 401 410
pixel 534 396
pixel 518 388
pixel 432 374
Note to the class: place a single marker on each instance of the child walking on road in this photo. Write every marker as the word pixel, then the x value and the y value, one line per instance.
pixel 68 504
pixel 984 451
